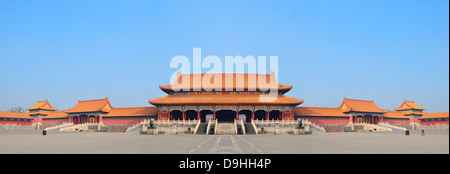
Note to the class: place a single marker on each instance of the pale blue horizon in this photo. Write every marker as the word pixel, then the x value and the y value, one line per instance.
pixel 380 50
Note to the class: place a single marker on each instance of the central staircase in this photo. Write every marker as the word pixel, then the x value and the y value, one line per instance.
pixel 226 129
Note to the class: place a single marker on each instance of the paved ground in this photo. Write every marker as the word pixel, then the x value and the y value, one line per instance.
pixel 340 143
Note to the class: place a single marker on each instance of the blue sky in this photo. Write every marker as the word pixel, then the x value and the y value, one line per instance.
pixel 71 50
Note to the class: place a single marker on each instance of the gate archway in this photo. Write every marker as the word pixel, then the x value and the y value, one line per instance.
pixel 275 115
pixel 225 116
pixel 260 115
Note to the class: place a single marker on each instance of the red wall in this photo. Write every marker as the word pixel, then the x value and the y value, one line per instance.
pixel 54 121
pixel 434 121
pixel 14 121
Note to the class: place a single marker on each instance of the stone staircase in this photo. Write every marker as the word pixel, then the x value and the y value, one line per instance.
pixel 373 127
pixel 226 129
pixel 58 127
pixel 249 128
pixel 393 127
pixel 202 128
pixel 78 127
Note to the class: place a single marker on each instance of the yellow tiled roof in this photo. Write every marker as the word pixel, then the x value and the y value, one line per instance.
pixel 409 105
pixel 435 115
pixel 360 106
pixel 319 111
pixel 44 105
pixel 15 115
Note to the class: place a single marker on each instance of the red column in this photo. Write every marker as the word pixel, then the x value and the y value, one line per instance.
pixel 159 115
pixel 214 115
pixel 253 115
pixel 198 115
pixel 282 115
pixel 237 115
pixel 184 115
pixel 267 115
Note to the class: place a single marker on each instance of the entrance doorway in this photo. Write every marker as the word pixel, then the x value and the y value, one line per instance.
pixel 177 115
pixel 260 115
pixel 275 115
pixel 203 115
pixel 191 115
pixel 225 116
pixel 248 115
pixel 368 119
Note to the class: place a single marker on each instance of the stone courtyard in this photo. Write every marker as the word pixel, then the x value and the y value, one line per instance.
pixel 33 142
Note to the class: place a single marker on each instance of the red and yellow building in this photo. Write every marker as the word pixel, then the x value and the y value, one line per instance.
pixel 239 96
pixel 225 101
pixel 15 118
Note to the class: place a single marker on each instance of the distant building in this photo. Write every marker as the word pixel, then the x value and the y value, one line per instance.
pixel 41 109
pixel 15 118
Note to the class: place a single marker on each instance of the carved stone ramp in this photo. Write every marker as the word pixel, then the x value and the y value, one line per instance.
pixel 225 144
pixel 225 129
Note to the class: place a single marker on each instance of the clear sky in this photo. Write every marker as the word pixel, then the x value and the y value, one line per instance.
pixel 70 50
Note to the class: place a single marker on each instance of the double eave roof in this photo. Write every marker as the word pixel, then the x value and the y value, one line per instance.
pixel 229 82
pixel 225 99
pixel 407 105
pixel 42 105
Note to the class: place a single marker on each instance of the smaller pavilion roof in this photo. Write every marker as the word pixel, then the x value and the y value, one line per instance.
pixel 40 113
pixel 319 111
pixel 44 105
pixel 133 112
pixel 360 106
pixel 91 106
pixel 408 105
